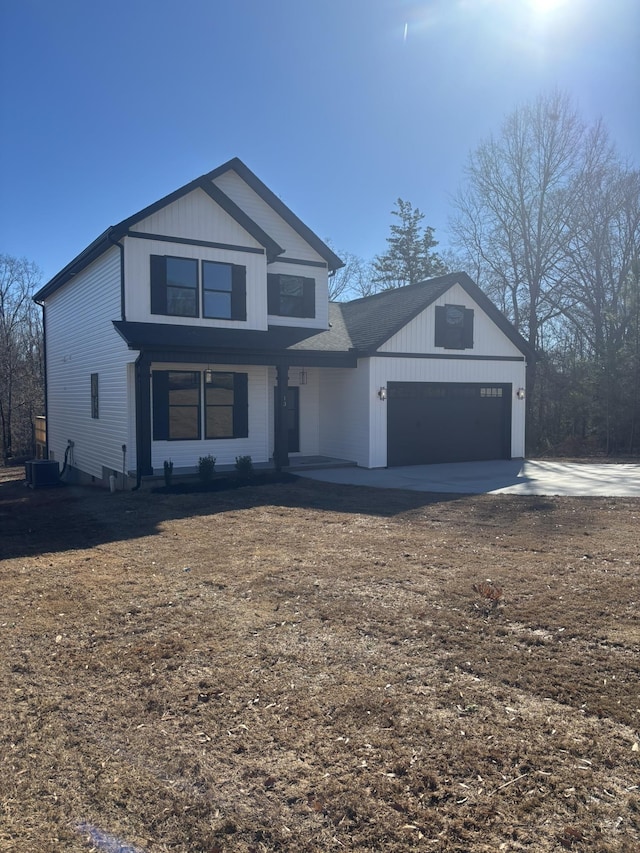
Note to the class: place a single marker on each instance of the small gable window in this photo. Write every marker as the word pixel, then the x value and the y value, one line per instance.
pixel 291 295
pixel 454 327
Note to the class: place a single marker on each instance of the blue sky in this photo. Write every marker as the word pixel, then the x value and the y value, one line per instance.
pixel 339 106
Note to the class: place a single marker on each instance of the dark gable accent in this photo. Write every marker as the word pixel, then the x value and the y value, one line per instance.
pixel 453 338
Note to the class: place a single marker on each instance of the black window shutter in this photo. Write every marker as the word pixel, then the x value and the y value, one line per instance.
pixel 238 292
pixel 160 405
pixel 240 405
pixel 309 297
pixel 467 329
pixel 158 285
pixel 441 326
pixel 273 293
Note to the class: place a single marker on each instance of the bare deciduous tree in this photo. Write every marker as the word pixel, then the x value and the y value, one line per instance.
pixel 548 220
pixel 21 355
pixel 352 280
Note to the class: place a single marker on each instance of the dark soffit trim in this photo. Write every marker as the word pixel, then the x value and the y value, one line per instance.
pixel 300 262
pixel 448 356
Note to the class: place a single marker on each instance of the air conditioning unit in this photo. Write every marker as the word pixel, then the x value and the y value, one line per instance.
pixel 42 472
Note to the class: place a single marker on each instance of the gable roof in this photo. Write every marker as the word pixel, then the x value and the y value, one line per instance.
pixel 205 182
pixel 373 320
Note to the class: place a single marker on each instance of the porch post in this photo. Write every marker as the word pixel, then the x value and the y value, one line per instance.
pixel 281 448
pixel 143 416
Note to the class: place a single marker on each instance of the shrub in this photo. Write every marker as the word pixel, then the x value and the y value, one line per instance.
pixel 206 468
pixel 244 466
pixel 168 472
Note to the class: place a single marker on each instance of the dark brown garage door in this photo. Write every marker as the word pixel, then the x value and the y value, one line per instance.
pixel 429 422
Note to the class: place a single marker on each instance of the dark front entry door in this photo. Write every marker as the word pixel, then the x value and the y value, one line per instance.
pixel 292 419
pixel 431 422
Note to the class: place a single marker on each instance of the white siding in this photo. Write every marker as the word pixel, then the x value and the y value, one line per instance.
pixel 419 335
pixel 197 217
pixel 81 340
pixel 385 370
pixel 345 412
pixel 185 454
pixel 263 215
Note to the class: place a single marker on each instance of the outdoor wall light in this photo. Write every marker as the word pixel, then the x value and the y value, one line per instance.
pixel 382 393
pixel 520 393
pixel 302 378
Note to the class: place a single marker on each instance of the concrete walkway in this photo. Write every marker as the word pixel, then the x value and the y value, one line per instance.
pixel 513 477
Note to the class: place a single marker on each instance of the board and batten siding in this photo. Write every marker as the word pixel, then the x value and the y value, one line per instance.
pixel 196 216
pixel 418 336
pixel 186 454
pixel 344 413
pixel 81 340
pixel 385 370
pixel 265 216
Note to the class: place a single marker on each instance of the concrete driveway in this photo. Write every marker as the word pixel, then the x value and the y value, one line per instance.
pixel 513 477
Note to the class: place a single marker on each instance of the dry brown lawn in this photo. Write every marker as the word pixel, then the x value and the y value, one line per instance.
pixel 303 667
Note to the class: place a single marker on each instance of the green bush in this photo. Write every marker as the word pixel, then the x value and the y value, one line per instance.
pixel 206 468
pixel 244 466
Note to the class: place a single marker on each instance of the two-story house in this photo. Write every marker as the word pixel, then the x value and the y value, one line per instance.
pixel 202 325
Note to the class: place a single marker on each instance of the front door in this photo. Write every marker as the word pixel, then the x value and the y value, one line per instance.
pixel 292 418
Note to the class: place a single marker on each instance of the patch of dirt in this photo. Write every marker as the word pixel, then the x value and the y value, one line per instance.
pixel 304 667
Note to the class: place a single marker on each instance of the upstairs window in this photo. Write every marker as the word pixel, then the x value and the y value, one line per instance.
pixel 291 295
pixel 174 286
pixel 454 327
pixel 224 291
